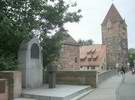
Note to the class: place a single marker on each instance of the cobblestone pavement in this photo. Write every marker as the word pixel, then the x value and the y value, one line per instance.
pixel 126 90
pixel 106 91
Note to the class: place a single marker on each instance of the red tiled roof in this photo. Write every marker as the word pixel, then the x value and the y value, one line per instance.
pixel 93 53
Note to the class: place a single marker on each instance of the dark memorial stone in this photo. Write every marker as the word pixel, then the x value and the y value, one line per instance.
pixel 34 51
pixel 52 75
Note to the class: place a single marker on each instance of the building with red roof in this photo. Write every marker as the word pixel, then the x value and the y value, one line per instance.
pixel 93 57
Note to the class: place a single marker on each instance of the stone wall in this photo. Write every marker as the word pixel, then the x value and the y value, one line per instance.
pixel 3 89
pixel 14 83
pixel 105 75
pixel 77 77
pixel 69 58
pixel 91 78
pixel 116 41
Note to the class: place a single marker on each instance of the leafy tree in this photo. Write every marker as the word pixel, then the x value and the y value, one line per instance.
pixel 131 56
pixel 16 22
pixel 19 19
pixel 51 48
pixel 85 42
pixel 55 20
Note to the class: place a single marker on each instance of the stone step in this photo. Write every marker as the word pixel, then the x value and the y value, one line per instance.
pixel 82 94
pixel 79 94
pixel 61 92
pixel 24 99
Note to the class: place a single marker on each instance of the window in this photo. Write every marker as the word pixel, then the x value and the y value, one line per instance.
pixel 89 59
pixel 88 68
pixel 75 59
pixel 94 59
pixel 81 67
pixel 92 67
pixel 34 51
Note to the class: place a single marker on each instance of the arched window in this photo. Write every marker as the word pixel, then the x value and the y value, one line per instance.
pixel 34 51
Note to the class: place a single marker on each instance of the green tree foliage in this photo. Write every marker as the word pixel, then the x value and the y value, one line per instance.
pixel 131 56
pixel 16 22
pixel 85 42
pixel 51 48
pixel 54 20
pixel 19 18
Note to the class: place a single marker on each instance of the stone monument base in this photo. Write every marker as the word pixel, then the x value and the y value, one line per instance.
pixel 61 92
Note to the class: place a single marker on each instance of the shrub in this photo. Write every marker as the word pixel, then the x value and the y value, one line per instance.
pixel 8 63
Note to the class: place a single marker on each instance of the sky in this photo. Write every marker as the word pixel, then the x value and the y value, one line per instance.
pixel 93 12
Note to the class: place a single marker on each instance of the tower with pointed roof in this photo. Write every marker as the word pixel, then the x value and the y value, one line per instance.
pixel 114 36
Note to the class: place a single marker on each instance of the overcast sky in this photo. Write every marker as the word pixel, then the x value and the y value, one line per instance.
pixel 94 11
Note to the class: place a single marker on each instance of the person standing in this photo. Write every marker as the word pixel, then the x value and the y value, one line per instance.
pixel 117 68
pixel 123 73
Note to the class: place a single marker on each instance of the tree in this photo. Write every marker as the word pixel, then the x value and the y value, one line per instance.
pixel 131 56
pixel 51 48
pixel 19 19
pixel 16 23
pixel 55 20
pixel 85 42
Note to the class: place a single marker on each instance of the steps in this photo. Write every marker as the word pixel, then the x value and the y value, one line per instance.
pixel 23 99
pixel 61 92
pixel 82 95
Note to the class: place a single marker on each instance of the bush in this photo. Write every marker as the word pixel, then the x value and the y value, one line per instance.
pixel 8 63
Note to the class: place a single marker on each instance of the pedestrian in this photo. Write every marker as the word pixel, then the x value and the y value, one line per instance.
pixel 123 73
pixel 117 68
pixel 123 70
pixel 133 71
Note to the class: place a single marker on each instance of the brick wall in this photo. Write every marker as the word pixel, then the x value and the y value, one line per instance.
pixel 69 58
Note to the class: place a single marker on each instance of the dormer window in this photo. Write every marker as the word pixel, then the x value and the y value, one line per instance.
pixel 94 59
pixel 75 59
pixel 89 59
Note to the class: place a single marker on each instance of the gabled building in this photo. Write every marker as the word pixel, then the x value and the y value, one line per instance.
pixel 114 36
pixel 93 57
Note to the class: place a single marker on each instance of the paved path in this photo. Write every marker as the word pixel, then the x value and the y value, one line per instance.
pixel 127 88
pixel 106 91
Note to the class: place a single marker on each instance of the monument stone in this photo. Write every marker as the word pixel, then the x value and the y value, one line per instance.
pixel 30 63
